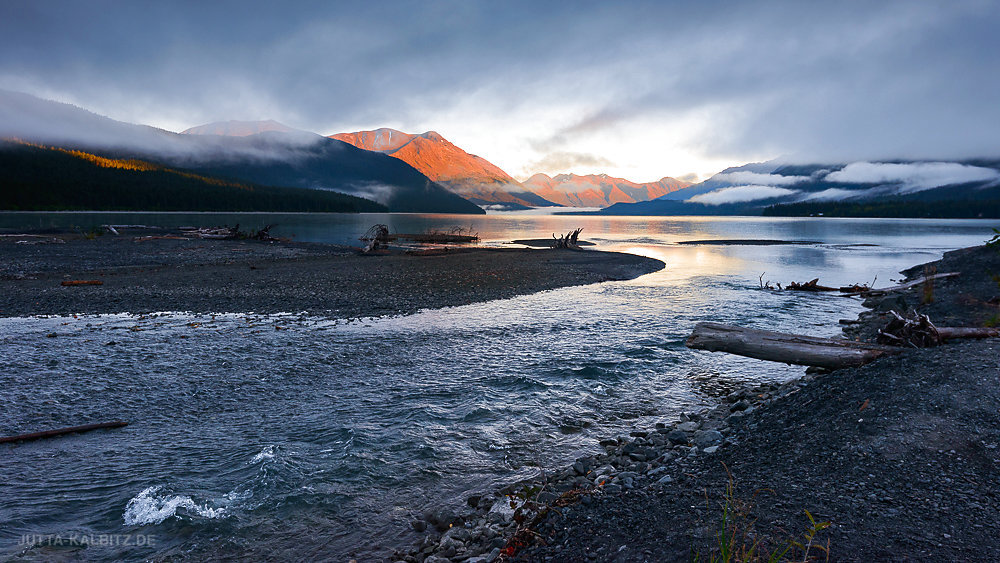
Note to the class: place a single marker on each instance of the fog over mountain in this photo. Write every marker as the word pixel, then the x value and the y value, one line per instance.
pixel 786 187
pixel 289 158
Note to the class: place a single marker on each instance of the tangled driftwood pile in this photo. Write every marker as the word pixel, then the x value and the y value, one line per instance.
pixel 569 240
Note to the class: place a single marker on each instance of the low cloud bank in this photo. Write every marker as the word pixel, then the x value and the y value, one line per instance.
pixel 741 194
pixel 913 177
pixel 832 194
pixel 758 179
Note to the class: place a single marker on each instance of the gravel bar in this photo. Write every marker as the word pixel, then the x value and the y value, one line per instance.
pixel 163 272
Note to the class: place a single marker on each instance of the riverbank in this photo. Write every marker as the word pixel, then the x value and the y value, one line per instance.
pixel 143 271
pixel 901 457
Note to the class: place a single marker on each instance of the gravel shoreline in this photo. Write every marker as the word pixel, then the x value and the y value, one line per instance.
pixel 901 456
pixel 145 272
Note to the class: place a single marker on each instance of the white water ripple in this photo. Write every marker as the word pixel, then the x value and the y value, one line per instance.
pixel 149 508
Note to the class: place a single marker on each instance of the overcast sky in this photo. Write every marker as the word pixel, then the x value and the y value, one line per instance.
pixel 634 89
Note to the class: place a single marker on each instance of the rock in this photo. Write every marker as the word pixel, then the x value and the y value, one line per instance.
pixel 441 518
pixel 665 479
pixel 457 533
pixel 687 426
pixel 706 438
pixel 636 456
pixel 612 489
pixel 892 302
pixel 677 437
pixel 638 433
pixel 711 449
pixel 740 406
pixel 546 497
pixel 418 525
pixel 579 468
pixel 473 500
pixel 437 559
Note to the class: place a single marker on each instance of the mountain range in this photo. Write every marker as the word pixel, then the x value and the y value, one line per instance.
pixel 598 190
pixel 470 176
pixel 262 156
pixel 896 188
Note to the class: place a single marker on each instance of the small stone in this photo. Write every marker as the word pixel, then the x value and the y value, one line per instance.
pixel 740 406
pixel 687 426
pixel 665 479
pixel 612 489
pixel 636 456
pixel 677 437
pixel 418 526
pixel 711 449
pixel 579 468
pixel 706 438
pixel 473 500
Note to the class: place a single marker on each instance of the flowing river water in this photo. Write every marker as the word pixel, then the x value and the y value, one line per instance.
pixel 303 437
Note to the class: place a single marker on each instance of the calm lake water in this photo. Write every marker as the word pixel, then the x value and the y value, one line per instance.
pixel 323 440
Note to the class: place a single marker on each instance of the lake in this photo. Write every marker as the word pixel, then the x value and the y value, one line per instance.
pixel 325 439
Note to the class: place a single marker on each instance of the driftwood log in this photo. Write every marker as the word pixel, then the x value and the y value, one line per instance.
pixel 812 285
pixel 786 348
pixel 920 332
pixel 61 431
pixel 906 285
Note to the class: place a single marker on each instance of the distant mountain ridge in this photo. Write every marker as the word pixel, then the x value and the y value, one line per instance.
pixel 295 159
pixel 867 189
pixel 468 175
pixel 598 190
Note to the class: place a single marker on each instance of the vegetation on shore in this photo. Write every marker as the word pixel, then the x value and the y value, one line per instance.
pixel 38 178
pixel 895 208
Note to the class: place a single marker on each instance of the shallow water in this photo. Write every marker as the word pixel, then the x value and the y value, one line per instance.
pixel 301 437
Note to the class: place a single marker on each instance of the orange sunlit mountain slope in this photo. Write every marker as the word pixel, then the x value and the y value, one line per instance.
pixel 466 174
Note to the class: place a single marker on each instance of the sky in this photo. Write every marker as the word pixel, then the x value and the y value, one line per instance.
pixel 638 90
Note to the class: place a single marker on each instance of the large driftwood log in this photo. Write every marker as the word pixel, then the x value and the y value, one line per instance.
pixel 907 285
pixel 786 348
pixel 61 431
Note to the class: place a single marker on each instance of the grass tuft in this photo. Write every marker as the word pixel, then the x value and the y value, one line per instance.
pixel 738 542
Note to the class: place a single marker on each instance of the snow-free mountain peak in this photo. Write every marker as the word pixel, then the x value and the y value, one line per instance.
pixel 468 175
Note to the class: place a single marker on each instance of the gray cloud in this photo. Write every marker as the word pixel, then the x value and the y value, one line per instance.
pixel 824 82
